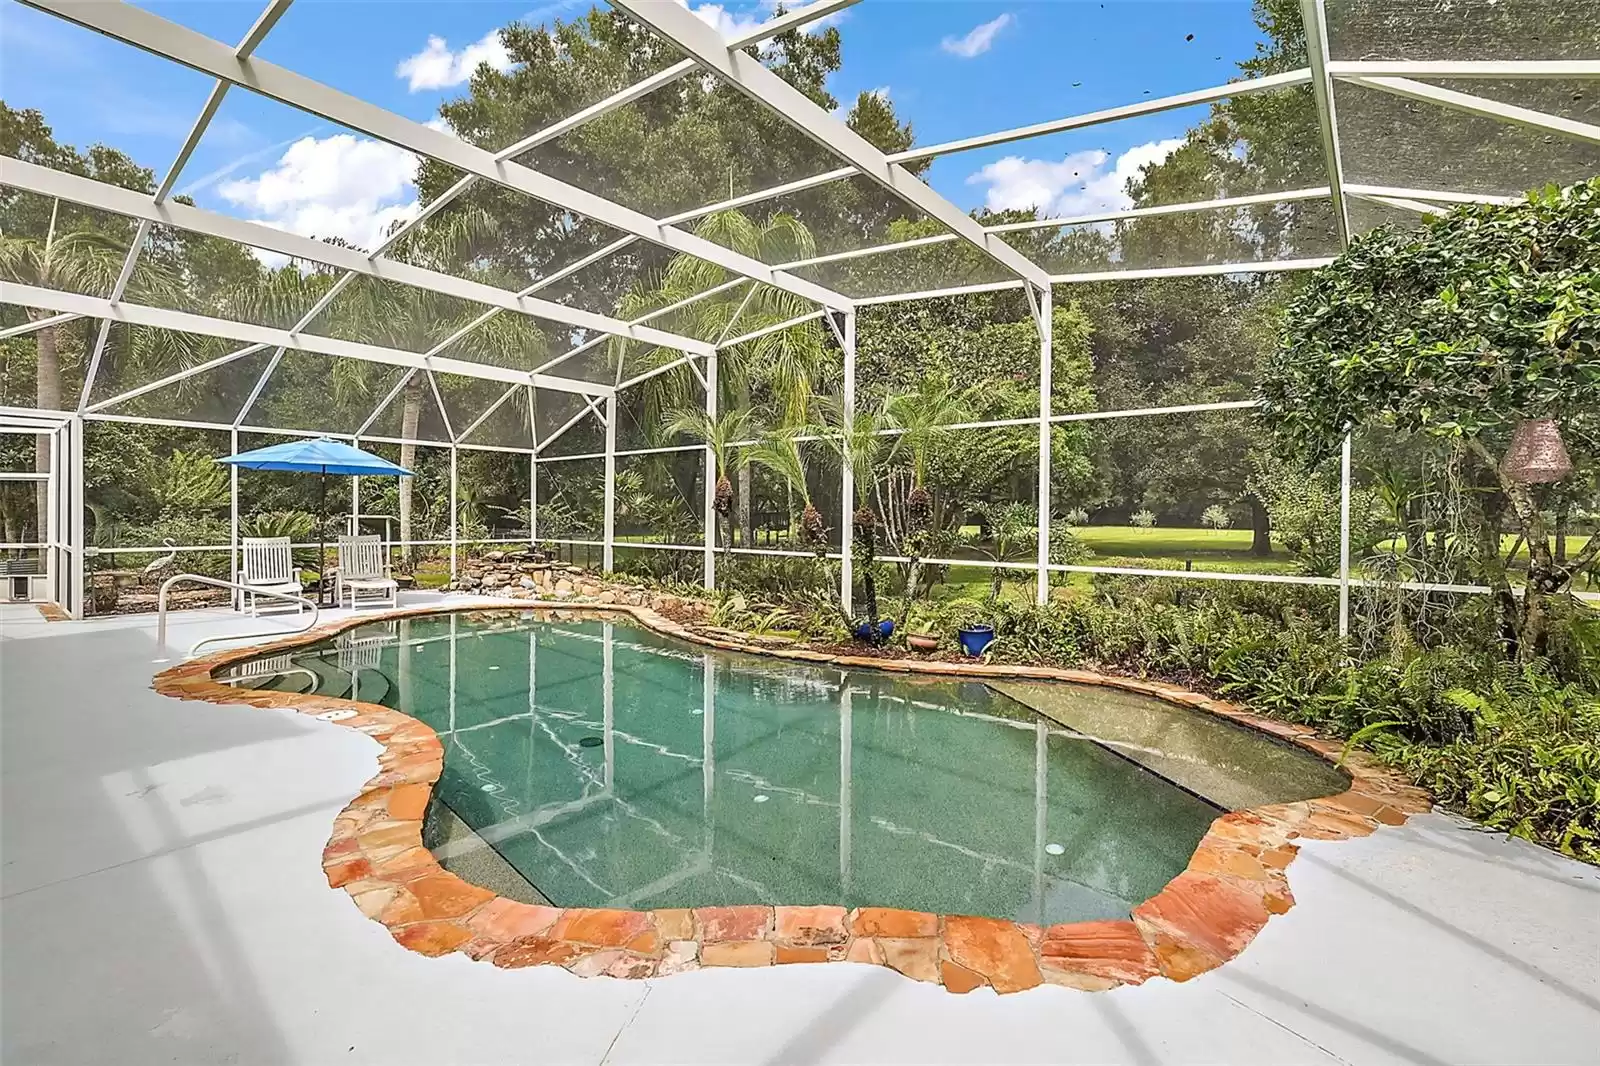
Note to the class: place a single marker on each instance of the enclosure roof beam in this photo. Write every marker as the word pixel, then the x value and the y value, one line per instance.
pixel 1319 192
pixel 36 324
pixel 746 73
pixel 1496 69
pixel 1437 195
pixel 1396 201
pixel 542 283
pixel 186 322
pixel 776 328
pixel 91 193
pixel 1314 18
pixel 1290 195
pixel 1482 106
pixel 1231 90
pixel 491 409
pixel 140 28
pixel 175 377
pixel 591 406
pixel 1201 270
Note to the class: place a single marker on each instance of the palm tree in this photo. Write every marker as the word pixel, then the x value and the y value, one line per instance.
pixel 719 435
pixel 784 365
pixel 86 261
pixel 934 406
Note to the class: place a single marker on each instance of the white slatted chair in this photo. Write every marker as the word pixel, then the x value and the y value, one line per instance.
pixel 268 566
pixel 364 572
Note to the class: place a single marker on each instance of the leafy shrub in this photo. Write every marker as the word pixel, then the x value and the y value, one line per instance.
pixel 1216 517
pixel 1142 519
pixel 184 481
pixel 1530 763
pixel 1076 517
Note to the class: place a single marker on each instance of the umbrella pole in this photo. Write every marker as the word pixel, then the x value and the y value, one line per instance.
pixel 322 540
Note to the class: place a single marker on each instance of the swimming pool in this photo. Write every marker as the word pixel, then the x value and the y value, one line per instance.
pixel 592 763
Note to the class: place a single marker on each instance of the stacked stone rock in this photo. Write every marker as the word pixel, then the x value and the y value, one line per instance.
pixel 526 574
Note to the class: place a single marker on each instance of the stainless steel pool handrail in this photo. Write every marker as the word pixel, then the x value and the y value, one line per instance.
pixel 201 579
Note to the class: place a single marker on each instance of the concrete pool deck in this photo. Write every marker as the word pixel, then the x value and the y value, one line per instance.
pixel 138 830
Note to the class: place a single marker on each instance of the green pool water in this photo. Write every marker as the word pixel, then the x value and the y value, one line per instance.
pixel 596 764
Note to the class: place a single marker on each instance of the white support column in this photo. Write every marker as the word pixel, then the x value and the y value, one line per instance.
pixel 233 515
pixel 608 552
pixel 453 473
pixel 846 333
pixel 1344 536
pixel 709 574
pixel 354 525
pixel 48 520
pixel 75 596
pixel 1041 301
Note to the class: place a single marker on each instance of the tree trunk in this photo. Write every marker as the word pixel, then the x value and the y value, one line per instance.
pixel 410 415
pixel 1260 528
pixel 47 379
pixel 746 480
pixel 1563 519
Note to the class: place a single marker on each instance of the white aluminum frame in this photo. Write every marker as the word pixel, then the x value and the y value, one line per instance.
pixel 724 59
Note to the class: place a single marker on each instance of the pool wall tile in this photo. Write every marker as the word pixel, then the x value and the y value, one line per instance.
pixel 1235 882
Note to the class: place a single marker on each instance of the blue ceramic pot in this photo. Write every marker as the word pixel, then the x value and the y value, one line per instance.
pixel 885 629
pixel 975 638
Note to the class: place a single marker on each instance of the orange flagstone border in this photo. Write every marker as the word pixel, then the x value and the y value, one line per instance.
pixel 1205 916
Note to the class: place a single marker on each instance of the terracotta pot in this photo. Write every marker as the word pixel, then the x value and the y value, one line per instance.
pixel 922 643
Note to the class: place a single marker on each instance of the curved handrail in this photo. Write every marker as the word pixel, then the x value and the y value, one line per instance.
pixel 201 579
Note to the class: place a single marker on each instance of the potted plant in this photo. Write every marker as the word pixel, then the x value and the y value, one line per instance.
pixel 922 638
pixel 1014 529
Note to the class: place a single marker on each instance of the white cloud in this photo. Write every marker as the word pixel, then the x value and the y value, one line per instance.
pixel 734 23
pixel 1083 183
pixel 978 40
pixel 728 23
pixel 340 186
pixel 437 67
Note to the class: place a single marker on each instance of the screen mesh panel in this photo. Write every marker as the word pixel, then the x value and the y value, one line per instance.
pixel 1297 230
pixel 1449 29
pixel 571 497
pixel 687 145
pixel 214 395
pixel 319 392
pixel 1389 140
pixel 413 414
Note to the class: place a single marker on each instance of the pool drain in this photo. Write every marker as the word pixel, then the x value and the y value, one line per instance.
pixel 591 742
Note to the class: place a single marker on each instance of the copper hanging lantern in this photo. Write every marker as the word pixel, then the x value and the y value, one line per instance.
pixel 1537 455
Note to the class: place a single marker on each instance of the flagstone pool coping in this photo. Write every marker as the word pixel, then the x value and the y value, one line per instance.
pixel 1235 881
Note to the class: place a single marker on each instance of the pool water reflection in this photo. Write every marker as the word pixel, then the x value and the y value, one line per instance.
pixel 608 766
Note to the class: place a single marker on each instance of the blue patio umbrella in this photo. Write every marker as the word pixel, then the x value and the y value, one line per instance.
pixel 319 455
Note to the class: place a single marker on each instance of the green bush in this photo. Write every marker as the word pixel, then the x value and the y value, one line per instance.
pixel 1529 764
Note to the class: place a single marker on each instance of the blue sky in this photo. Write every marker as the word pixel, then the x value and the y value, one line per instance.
pixel 955 68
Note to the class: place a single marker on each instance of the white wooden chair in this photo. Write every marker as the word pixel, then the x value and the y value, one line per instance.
pixel 364 572
pixel 268 566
